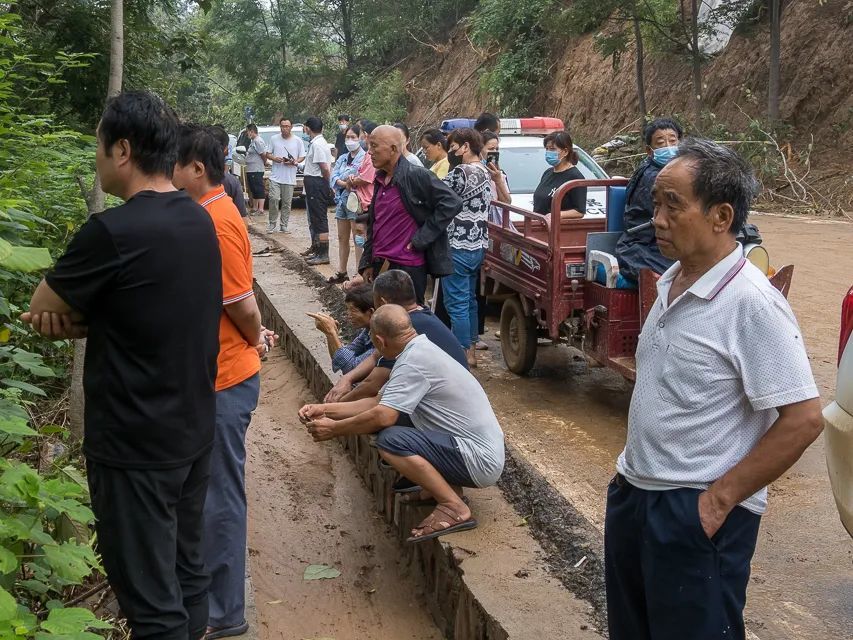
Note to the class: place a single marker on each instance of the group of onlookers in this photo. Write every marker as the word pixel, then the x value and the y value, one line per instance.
pixel 162 285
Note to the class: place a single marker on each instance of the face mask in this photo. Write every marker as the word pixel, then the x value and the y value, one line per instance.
pixel 363 144
pixel 352 145
pixel 453 159
pixel 305 137
pixel 359 241
pixel 663 155
pixel 552 157
pixel 342 127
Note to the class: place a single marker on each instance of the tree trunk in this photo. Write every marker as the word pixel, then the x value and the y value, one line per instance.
pixel 349 40
pixel 696 59
pixel 775 61
pixel 95 203
pixel 282 29
pixel 641 82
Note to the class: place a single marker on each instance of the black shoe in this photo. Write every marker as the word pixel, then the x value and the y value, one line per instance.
pixel 318 259
pixel 310 251
pixel 338 278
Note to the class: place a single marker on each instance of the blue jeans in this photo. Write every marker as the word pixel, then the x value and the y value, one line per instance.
pixel 225 509
pixel 460 294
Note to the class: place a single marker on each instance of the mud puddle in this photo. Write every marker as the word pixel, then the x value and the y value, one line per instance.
pixel 307 507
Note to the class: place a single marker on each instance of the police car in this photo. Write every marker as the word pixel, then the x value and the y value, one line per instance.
pixel 522 158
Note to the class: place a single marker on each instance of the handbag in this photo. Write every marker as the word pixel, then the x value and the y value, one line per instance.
pixel 352 205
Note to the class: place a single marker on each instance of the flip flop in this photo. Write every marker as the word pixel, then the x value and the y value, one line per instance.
pixel 461 525
pixel 226 632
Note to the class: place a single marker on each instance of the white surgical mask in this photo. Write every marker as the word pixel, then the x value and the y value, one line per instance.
pixel 352 145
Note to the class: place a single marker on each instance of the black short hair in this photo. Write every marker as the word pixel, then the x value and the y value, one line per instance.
pixel 361 297
pixel 402 126
pixel 660 124
pixel 198 144
pixel 343 116
pixel 283 118
pixel 315 124
pixel 720 175
pixel 221 135
pixel 487 122
pixel 395 287
pixel 435 136
pixel 252 127
pixel 471 136
pixel 368 126
pixel 354 128
pixel 489 135
pixel 150 127
pixel 562 140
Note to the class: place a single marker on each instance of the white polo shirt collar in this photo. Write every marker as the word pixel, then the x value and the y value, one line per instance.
pixel 712 281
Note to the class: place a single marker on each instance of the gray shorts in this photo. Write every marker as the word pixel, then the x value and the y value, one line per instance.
pixel 437 448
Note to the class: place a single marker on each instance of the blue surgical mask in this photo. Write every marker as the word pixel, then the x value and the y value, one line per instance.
pixel 663 155
pixel 359 241
pixel 552 157
pixel 363 144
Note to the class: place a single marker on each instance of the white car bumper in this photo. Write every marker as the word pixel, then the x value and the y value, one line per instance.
pixel 839 460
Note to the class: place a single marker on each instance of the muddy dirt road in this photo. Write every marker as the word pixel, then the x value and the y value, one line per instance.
pixel 570 422
pixel 307 507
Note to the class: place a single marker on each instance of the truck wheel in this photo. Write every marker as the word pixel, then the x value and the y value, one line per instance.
pixel 518 337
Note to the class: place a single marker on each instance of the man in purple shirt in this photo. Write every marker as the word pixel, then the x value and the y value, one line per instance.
pixel 408 216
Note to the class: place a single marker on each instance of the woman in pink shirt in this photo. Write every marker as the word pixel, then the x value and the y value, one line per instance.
pixel 362 185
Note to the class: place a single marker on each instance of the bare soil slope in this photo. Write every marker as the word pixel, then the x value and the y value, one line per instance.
pixel 598 101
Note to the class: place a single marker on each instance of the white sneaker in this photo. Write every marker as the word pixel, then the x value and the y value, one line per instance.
pixel 271 228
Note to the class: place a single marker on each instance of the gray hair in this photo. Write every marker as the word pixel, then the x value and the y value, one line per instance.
pixel 395 287
pixel 721 175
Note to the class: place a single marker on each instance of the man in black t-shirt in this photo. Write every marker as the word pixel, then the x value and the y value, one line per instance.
pixel 143 280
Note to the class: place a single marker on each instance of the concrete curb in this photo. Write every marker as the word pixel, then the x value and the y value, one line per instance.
pixel 458 598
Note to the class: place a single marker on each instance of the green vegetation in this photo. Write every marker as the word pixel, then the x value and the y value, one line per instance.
pixel 45 524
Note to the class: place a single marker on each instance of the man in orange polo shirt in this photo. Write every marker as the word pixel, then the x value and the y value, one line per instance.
pixel 199 171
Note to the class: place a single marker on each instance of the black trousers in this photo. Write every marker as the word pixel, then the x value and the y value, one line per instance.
pixel 317 198
pixel 149 525
pixel 666 580
pixel 418 275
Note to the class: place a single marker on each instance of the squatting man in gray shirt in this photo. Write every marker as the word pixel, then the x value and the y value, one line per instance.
pixel 456 440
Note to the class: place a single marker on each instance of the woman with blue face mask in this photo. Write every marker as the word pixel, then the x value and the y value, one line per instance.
pixel 560 154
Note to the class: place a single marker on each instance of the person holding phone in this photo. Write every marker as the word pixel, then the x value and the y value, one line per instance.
pixel 286 151
pixel 469 235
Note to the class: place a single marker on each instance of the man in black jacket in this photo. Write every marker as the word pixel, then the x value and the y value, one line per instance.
pixel 640 250
pixel 408 216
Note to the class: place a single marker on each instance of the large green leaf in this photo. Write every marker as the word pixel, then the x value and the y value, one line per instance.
pixel 33 363
pixel 24 386
pixel 8 560
pixel 27 259
pixel 8 606
pixel 20 482
pixel 14 420
pixel 73 620
pixel 320 572
pixel 71 561
pixel 5 249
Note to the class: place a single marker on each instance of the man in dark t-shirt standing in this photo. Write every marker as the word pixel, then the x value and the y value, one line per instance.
pixel 143 280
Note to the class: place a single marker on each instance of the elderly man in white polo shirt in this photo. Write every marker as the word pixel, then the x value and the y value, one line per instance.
pixel 724 404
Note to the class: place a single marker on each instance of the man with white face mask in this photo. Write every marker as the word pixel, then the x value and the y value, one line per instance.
pixel 640 250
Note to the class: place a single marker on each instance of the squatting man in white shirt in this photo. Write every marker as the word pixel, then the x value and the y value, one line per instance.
pixel 724 404
pixel 455 440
